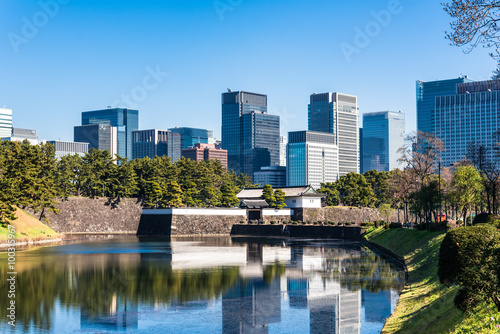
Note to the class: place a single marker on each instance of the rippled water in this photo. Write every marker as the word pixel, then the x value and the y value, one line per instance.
pixel 201 285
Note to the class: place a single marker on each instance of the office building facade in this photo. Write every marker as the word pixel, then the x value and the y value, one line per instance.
pixel 154 142
pixel 98 136
pixel 273 175
pixel 125 120
pixel 5 122
pixel 283 142
pixel 338 114
pixel 426 96
pixel 472 115
pixel 202 152
pixel 18 134
pixel 383 135
pixel 312 158
pixel 192 136
pixel 68 147
pixel 250 135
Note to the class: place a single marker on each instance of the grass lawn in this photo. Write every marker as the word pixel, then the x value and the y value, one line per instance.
pixel 27 228
pixel 425 305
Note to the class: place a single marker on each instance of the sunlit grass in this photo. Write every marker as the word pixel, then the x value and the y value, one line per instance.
pixel 425 305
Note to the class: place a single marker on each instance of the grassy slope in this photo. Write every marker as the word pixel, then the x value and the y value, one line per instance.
pixel 426 306
pixel 27 228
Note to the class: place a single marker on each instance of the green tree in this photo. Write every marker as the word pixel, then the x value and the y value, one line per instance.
pixel 172 196
pixel 385 211
pixel 469 258
pixel 229 198
pixel 331 192
pixel 68 173
pixel 468 187
pixel 354 190
pixel 124 183
pixel 279 197
pixel 268 195
pixel 380 184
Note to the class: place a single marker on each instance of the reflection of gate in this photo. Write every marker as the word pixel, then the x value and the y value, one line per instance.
pixel 254 214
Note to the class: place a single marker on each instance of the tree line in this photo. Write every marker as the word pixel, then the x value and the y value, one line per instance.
pixel 31 177
pixel 422 188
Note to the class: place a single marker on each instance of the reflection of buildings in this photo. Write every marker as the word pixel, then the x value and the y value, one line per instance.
pixel 333 309
pixel 251 306
pixel 121 315
pixel 379 306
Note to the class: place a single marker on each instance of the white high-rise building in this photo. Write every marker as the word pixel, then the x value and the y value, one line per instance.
pixel 338 114
pixel 283 142
pixel 5 122
pixel 312 159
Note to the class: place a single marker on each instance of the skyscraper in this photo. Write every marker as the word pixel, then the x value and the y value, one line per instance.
pixel 283 142
pixel 154 142
pixel 383 135
pixel 249 134
pixel 192 136
pixel 338 114
pixel 471 116
pixel 312 158
pixel 5 122
pixel 426 95
pixel 98 136
pixel 125 120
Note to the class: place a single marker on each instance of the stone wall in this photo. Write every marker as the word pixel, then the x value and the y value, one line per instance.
pixel 343 214
pixel 85 215
pixel 203 225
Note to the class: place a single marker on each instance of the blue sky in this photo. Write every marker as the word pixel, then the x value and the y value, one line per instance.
pixel 174 58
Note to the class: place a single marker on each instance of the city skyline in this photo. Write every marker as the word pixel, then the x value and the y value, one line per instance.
pixel 58 69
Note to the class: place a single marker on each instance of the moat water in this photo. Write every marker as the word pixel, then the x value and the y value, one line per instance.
pixel 200 285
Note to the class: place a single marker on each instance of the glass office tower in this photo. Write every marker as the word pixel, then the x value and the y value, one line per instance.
pixel 312 158
pixel 98 136
pixel 192 136
pixel 338 114
pixel 5 122
pixel 383 135
pixel 470 116
pixel 125 120
pixel 249 134
pixel 151 143
pixel 426 96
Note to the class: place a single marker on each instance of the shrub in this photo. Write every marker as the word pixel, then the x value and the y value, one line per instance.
pixel 242 222
pixel 348 224
pixel 486 218
pixel 395 225
pixel 367 224
pixel 379 223
pixel 470 257
pixel 316 223
pixel 331 223
pixel 273 222
pixel 387 226
pixel 460 222
pixel 340 223
pixel 296 222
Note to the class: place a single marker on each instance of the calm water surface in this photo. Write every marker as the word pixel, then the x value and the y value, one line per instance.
pixel 201 285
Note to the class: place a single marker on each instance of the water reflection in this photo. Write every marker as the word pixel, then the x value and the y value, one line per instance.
pixel 225 285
